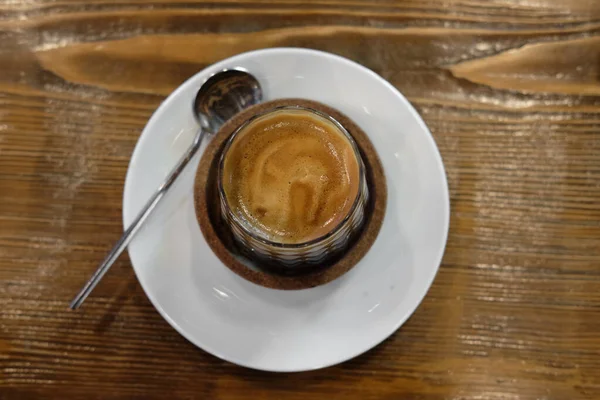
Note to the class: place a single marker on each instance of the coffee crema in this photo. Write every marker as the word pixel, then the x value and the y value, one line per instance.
pixel 291 175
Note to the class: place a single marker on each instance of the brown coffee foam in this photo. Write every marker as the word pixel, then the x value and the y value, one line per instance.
pixel 219 237
pixel 276 164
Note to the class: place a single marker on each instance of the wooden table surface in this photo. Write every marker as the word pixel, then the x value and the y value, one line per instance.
pixel 511 92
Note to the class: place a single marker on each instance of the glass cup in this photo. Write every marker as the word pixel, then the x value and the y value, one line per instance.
pixel 293 257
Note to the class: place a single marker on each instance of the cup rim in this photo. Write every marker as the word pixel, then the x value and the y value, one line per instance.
pixel 361 174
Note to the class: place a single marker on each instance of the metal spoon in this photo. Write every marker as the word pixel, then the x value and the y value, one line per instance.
pixel 221 97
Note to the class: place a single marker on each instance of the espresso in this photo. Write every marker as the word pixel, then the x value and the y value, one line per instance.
pixel 291 175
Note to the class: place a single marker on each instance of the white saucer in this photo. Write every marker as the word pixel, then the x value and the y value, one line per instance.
pixel 274 330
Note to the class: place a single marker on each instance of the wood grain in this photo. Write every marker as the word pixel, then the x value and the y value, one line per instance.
pixel 510 90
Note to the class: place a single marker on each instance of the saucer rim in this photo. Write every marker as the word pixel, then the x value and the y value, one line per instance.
pixel 230 63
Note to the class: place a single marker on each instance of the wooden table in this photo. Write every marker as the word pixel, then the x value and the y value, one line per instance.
pixel 511 92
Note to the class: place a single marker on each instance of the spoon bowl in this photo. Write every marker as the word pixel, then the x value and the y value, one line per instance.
pixel 223 95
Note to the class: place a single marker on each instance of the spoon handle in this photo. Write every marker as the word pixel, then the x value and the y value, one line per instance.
pixel 137 222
